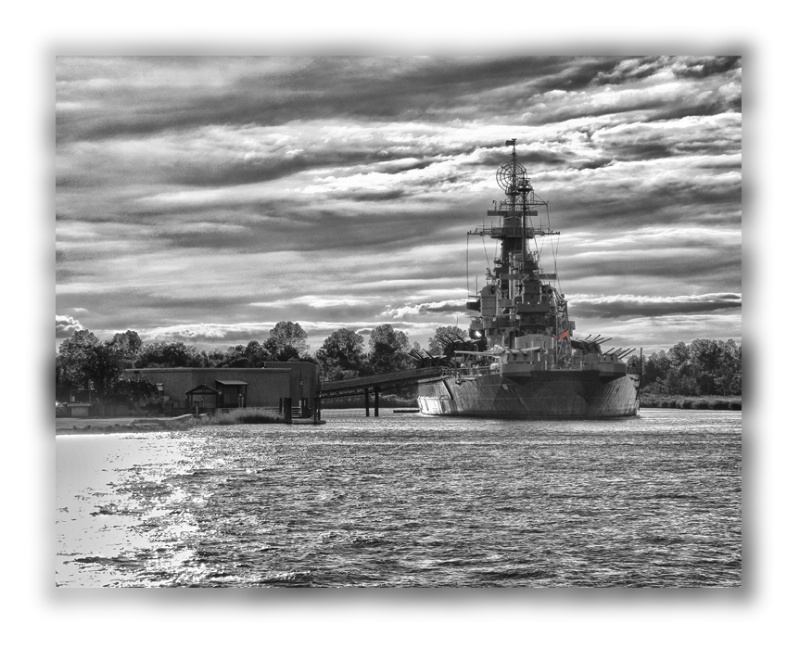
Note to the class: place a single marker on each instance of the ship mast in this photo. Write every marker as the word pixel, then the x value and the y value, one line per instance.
pixel 514 181
pixel 519 300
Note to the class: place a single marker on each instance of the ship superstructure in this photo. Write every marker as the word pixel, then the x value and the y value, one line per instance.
pixel 521 359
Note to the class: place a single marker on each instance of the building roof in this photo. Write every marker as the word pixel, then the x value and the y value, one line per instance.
pixel 231 382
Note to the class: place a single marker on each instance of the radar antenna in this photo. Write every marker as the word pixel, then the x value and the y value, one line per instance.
pixel 512 177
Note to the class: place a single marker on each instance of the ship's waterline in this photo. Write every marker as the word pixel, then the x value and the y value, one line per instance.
pixel 562 394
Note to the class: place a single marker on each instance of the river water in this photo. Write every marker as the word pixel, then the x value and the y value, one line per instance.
pixel 406 501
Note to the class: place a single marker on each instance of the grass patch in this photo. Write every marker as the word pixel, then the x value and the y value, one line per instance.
pixel 243 416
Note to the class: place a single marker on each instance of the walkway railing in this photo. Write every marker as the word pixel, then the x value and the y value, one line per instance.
pixel 346 387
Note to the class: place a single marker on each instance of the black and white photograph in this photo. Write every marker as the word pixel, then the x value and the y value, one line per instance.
pixel 406 321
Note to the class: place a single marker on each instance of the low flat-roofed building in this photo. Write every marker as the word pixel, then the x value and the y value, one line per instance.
pixel 187 389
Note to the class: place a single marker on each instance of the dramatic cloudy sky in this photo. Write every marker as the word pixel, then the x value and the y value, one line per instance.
pixel 206 199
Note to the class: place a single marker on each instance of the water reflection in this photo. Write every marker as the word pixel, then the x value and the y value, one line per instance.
pixel 404 500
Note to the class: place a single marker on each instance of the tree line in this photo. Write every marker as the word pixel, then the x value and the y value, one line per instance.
pixel 84 362
pixel 703 367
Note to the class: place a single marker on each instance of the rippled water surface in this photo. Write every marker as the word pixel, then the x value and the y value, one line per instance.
pixel 406 500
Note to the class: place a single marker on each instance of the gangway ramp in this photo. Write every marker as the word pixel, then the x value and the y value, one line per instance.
pixel 377 383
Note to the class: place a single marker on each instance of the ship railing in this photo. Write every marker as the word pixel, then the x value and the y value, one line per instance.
pixel 469 372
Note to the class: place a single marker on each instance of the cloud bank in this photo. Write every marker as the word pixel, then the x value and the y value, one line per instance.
pixel 207 198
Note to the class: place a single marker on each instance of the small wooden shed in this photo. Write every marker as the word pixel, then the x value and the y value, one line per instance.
pixel 202 397
pixel 233 393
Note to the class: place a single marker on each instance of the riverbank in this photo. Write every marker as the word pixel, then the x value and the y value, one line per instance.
pixel 80 426
pixel 686 402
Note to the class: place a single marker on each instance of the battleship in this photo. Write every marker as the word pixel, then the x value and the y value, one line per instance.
pixel 521 359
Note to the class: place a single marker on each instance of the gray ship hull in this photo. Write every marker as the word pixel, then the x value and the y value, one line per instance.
pixel 554 394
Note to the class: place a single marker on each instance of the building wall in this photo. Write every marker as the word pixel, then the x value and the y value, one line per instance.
pixel 266 387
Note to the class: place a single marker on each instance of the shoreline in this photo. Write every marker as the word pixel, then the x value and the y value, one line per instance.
pixel 89 426
pixel 77 426
pixel 682 402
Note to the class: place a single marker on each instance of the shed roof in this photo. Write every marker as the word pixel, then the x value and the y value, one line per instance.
pixel 201 389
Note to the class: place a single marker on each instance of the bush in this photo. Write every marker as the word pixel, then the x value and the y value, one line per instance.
pixel 245 416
